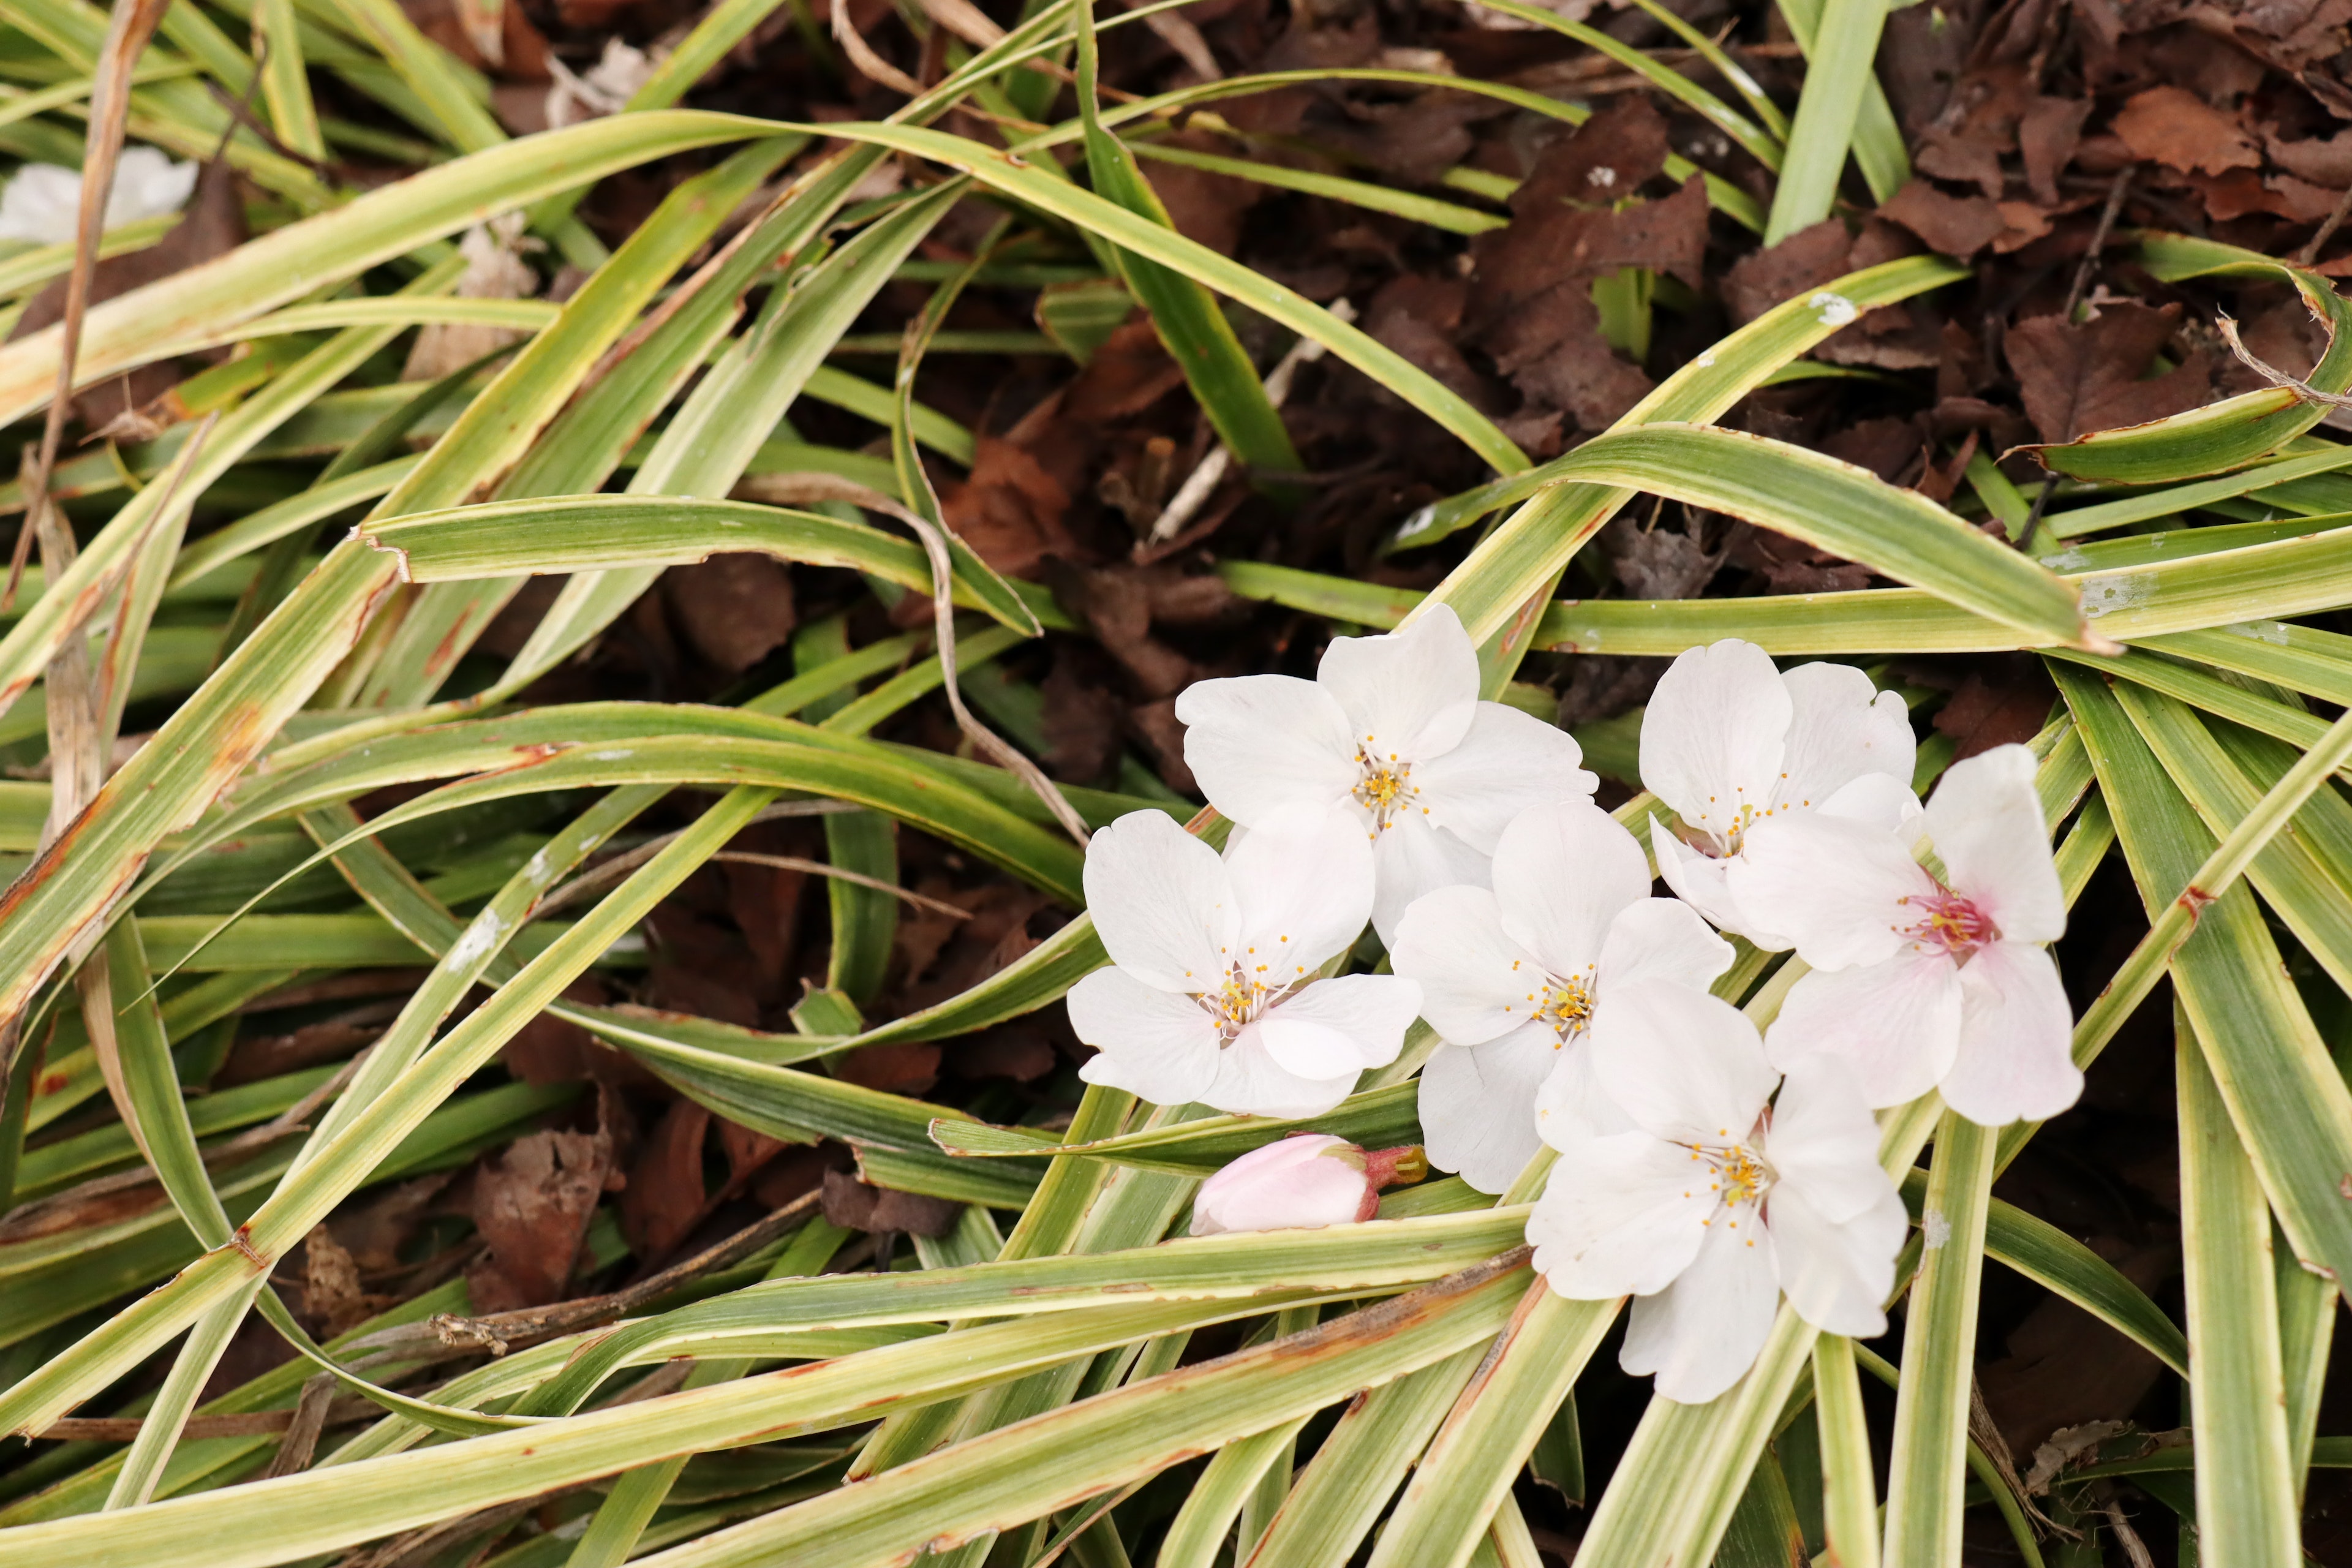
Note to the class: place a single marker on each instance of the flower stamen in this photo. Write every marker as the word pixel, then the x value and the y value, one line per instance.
pixel 1385 787
pixel 1949 924
pixel 1241 1001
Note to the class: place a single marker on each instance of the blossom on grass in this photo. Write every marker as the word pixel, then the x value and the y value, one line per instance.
pixel 1721 1199
pixel 1516 980
pixel 1729 741
pixel 1390 735
pixel 1213 994
pixel 1304 1182
pixel 43 202
pixel 1923 982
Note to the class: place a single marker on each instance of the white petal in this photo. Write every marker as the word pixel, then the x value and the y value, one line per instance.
pixel 1702 1333
pixel 2015 1060
pixel 1835 886
pixel 1509 763
pixel 1661 938
pixel 1250 1082
pixel 1893 1024
pixel 1882 802
pixel 1411 859
pixel 1478 1105
pixel 1684 1064
pixel 1840 727
pixel 1303 879
pixel 1713 735
pixel 1622 1216
pixel 42 204
pixel 1986 819
pixel 1408 694
pixel 1837 1276
pixel 1698 881
pixel 1341 1025
pixel 1824 1144
pixel 1152 1043
pixel 1474 979
pixel 1259 743
pixel 1163 902
pixel 1570 1102
pixel 1563 873
pixel 148 183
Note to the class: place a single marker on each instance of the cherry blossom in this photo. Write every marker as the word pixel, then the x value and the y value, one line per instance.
pixel 1729 741
pixel 1924 982
pixel 1515 980
pixel 1721 1199
pixel 43 202
pixel 1213 994
pixel 1391 734
pixel 1304 1182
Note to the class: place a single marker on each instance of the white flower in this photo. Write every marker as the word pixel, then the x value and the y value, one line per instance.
pixel 1390 731
pixel 43 202
pixel 1304 1182
pixel 1515 980
pixel 1716 1204
pixel 1213 994
pixel 1729 741
pixel 1920 984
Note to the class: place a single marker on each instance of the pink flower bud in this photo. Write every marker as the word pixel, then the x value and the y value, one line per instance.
pixel 1304 1182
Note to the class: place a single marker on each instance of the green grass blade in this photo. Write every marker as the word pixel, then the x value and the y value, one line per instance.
pixel 1849 1489
pixel 288 264
pixel 1878 142
pixel 2289 1102
pixel 1840 61
pixel 1524 556
pixel 1205 1522
pixel 1469 1467
pixel 1184 312
pixel 1836 507
pixel 1927 1467
pixel 1346 1486
pixel 1759 144
pixel 2246 1486
pixel 2220 437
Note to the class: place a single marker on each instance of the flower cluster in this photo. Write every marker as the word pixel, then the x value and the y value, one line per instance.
pixel 1703 1169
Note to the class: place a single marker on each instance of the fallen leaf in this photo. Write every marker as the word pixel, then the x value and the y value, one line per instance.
pixel 1995 706
pixel 1082 721
pixel 908 1068
pixel 2075 380
pixel 665 1194
pixel 1204 207
pixel 531 1206
pixel 1956 225
pixel 1010 509
pixel 332 1297
pixel 734 610
pixel 1796 266
pixel 495 269
pixel 854 1205
pixel 2047 135
pixel 1019 1050
pixel 2173 126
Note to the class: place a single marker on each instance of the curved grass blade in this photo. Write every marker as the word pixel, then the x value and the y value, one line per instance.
pixel 1524 556
pixel 288 263
pixel 2224 436
pixel 1836 507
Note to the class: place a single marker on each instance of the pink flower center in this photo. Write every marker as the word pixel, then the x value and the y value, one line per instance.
pixel 1949 924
